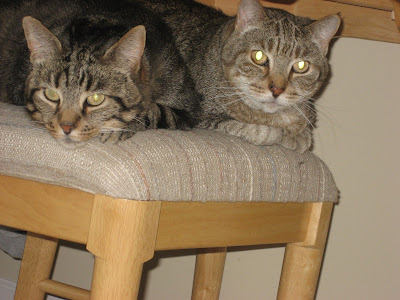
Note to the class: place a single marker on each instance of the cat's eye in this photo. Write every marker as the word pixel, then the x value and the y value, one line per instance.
pixel 301 66
pixel 259 57
pixel 51 95
pixel 96 99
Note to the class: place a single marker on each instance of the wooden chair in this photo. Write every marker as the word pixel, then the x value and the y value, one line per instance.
pixel 195 190
pixel 124 234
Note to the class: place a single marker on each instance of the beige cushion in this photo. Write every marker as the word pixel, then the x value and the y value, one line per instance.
pixel 198 165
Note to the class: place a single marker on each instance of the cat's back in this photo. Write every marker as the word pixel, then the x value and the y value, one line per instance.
pixel 190 8
pixel 190 21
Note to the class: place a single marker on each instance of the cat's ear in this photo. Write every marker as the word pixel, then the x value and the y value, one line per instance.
pixel 41 42
pixel 250 13
pixel 323 31
pixel 128 51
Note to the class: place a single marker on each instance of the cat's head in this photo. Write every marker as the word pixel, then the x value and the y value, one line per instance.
pixel 78 94
pixel 274 59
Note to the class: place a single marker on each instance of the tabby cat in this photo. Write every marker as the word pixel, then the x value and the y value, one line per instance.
pixel 87 69
pixel 258 72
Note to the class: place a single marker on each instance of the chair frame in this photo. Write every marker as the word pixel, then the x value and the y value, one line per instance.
pixel 123 234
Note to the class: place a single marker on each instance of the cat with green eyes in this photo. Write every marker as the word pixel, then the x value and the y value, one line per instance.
pixel 258 72
pixel 88 69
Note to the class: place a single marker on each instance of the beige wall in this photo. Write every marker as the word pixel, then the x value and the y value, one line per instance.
pixel 358 137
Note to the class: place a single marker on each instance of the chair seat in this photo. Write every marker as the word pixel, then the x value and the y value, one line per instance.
pixel 83 195
pixel 166 165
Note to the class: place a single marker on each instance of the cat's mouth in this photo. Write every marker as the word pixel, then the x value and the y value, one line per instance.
pixel 265 105
pixel 69 143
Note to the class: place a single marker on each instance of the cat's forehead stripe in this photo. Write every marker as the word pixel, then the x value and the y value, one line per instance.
pixel 82 77
pixel 89 81
pixel 297 52
pixel 66 73
pixel 286 28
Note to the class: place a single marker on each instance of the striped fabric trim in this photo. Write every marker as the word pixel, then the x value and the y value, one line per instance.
pixel 167 165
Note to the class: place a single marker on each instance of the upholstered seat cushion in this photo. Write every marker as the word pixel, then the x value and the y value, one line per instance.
pixel 198 165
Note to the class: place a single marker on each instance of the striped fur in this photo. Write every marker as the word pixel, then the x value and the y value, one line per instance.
pixel 78 49
pixel 239 97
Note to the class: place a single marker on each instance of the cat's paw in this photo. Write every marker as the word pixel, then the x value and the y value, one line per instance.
pixel 263 135
pixel 252 133
pixel 300 143
pixel 114 137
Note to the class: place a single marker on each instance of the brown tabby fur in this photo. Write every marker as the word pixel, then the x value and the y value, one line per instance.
pixel 239 97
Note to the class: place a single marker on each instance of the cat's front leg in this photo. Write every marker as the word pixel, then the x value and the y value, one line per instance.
pixel 300 142
pixel 252 133
pixel 114 136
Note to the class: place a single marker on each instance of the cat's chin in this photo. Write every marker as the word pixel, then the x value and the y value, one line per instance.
pixel 269 107
pixel 69 144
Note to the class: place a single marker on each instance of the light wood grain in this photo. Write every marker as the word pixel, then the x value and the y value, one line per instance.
pixel 275 222
pixel 377 4
pixel 266 222
pixel 64 290
pixel 123 234
pixel 36 266
pixel 46 209
pixel 302 261
pixel 122 237
pixel 208 273
pixel 357 21
pixel 396 10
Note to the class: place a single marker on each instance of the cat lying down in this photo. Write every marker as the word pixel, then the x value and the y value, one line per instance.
pixel 91 69
pixel 258 72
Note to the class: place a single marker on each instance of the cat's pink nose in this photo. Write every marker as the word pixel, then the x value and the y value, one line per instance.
pixel 276 91
pixel 67 128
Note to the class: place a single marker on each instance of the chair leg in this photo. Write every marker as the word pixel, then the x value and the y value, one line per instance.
pixel 208 274
pixel 37 263
pixel 130 229
pixel 302 261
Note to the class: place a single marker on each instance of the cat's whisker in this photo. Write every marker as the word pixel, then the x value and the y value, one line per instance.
pixel 220 83
pixel 38 122
pixel 302 113
pixel 218 88
pixel 316 109
pixel 106 130
pixel 222 105
pixel 308 106
pixel 227 95
pixel 42 129
pixel 141 121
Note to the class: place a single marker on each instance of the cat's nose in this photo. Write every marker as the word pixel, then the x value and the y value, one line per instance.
pixel 67 128
pixel 276 91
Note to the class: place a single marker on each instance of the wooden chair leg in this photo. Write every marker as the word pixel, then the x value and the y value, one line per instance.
pixel 36 265
pixel 122 236
pixel 208 274
pixel 302 261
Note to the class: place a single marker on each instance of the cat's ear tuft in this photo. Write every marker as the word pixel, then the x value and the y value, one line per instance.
pixel 41 42
pixel 249 14
pixel 323 31
pixel 128 51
